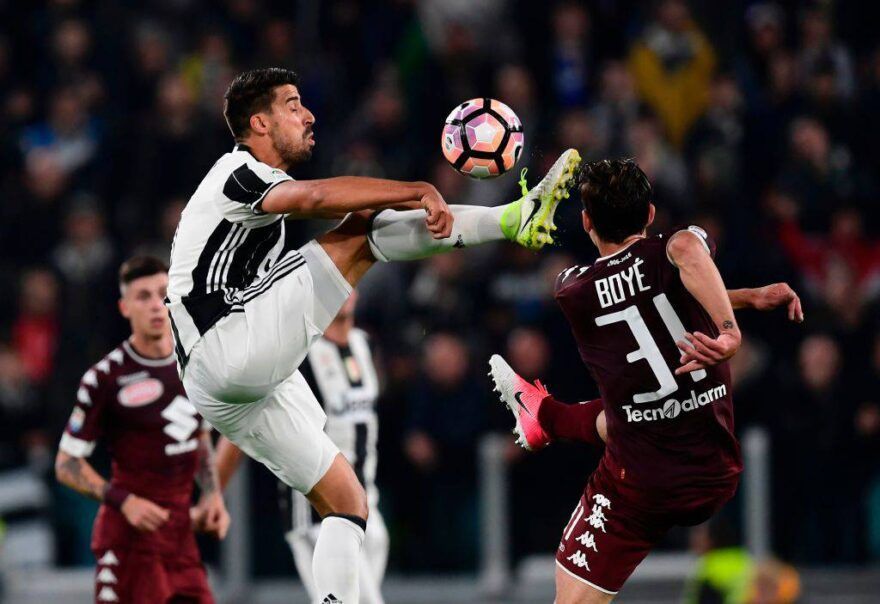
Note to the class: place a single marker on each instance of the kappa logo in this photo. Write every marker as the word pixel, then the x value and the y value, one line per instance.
pixel 107 595
pixel 587 539
pixel 459 243
pixel 331 599
pixel 106 576
pixel 109 559
pixel 579 559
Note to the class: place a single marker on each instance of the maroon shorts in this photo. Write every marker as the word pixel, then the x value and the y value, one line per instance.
pixel 148 568
pixel 610 533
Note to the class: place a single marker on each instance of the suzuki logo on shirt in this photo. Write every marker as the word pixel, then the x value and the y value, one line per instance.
pixel 181 425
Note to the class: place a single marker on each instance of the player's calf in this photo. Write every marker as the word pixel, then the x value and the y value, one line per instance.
pixel 342 503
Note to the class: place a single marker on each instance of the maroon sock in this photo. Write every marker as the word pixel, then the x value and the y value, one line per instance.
pixel 571 422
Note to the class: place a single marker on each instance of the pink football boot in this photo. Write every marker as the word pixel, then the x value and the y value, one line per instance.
pixel 523 399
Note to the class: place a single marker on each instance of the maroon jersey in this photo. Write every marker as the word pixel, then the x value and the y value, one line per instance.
pixel 138 407
pixel 670 438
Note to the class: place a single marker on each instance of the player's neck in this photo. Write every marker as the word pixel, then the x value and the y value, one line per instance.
pixel 264 151
pixel 152 348
pixel 607 248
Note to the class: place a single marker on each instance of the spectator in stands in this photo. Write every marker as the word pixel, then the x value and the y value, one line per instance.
pixel 818 172
pixel 571 58
pixel 23 437
pixel 816 408
pixel 766 35
pixel 673 63
pixel 35 331
pixel 616 111
pixel 818 45
pixel 447 413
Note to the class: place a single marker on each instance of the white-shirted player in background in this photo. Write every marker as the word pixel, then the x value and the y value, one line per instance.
pixel 341 373
pixel 246 305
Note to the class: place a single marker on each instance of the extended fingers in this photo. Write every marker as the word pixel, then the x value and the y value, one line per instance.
pixel 795 310
pixel 692 353
pixel 712 347
pixel 691 366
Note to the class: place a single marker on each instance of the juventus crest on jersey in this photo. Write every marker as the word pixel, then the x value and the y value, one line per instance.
pixel 226 250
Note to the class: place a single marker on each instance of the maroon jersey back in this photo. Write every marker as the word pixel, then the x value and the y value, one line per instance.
pixel 138 407
pixel 666 433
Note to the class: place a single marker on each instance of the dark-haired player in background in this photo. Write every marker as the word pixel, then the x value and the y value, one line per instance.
pixel 654 324
pixel 133 400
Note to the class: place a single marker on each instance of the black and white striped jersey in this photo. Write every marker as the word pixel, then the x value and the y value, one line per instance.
pixel 344 380
pixel 226 250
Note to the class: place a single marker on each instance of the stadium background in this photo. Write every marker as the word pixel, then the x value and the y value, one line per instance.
pixel 758 121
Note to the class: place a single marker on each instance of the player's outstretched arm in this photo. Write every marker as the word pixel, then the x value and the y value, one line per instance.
pixel 210 515
pixel 768 297
pixel 701 278
pixel 79 475
pixel 336 197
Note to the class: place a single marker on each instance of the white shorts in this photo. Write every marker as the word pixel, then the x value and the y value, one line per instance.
pixel 243 376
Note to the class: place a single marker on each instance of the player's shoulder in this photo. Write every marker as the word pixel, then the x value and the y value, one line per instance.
pixel 693 232
pixel 102 373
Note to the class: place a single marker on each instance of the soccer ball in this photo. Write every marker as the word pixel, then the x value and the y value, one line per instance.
pixel 482 138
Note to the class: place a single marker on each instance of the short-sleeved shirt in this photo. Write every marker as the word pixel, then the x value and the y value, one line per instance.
pixel 667 433
pixel 226 250
pixel 137 406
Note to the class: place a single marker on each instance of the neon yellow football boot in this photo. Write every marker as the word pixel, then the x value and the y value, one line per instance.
pixel 529 220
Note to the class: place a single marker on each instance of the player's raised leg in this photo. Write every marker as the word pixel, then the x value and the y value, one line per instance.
pixel 527 221
pixel 366 236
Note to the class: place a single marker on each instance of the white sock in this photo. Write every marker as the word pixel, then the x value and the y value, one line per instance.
pixel 404 236
pixel 336 561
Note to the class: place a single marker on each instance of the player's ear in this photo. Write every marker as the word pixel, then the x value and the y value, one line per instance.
pixel 259 123
pixel 123 308
pixel 588 224
pixel 651 211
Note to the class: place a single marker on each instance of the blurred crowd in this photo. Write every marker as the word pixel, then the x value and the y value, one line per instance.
pixel 755 120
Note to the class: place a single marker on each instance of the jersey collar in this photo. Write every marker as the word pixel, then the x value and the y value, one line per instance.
pixel 621 250
pixel 147 362
pixel 242 147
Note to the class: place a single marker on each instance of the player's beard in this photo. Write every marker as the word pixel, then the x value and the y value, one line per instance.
pixel 289 151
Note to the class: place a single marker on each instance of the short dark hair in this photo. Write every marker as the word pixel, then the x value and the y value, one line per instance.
pixel 616 195
pixel 140 266
pixel 251 92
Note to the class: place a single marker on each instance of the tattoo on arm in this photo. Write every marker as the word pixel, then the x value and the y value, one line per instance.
pixel 78 474
pixel 728 324
pixel 206 475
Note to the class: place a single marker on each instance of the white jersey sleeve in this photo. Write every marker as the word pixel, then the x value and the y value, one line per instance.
pixel 246 187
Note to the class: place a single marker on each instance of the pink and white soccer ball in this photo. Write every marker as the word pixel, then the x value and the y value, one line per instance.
pixel 482 138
